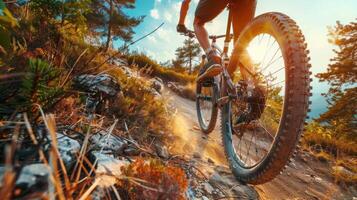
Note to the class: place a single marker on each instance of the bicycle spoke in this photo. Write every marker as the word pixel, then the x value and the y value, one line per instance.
pixel 255 137
pixel 266 50
pixel 272 58
pixel 270 63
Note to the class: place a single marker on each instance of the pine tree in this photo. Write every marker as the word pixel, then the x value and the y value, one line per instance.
pixel 187 53
pixel 107 20
pixel 342 76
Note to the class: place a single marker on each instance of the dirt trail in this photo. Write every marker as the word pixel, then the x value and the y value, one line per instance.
pixel 304 178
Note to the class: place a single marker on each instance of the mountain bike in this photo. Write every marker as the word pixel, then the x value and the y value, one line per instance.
pixel 262 94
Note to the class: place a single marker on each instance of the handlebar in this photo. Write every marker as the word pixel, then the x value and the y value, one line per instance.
pixel 192 34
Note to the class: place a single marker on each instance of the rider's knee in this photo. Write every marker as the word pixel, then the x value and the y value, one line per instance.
pixel 197 22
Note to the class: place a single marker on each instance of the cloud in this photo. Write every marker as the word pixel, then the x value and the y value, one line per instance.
pixel 154 13
pixel 152 39
pixel 167 16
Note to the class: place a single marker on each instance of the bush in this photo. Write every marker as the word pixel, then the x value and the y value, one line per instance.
pixel 39 84
pixel 319 137
pixel 166 74
pixel 159 181
pixel 139 107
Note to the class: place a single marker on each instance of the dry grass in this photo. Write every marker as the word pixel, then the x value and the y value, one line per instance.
pixel 189 91
pixel 144 113
pixel 338 151
pixel 321 138
pixel 80 182
pixel 170 181
pixel 154 69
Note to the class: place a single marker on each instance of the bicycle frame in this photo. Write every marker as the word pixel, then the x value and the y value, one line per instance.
pixel 228 89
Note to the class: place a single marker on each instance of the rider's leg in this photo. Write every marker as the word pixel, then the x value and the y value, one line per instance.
pixel 206 11
pixel 201 34
pixel 243 13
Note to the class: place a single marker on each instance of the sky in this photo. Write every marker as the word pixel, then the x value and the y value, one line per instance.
pixel 313 17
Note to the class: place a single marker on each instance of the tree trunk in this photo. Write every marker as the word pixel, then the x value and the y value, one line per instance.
pixel 109 33
pixel 190 57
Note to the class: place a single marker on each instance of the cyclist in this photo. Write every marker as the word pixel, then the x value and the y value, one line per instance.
pixel 207 10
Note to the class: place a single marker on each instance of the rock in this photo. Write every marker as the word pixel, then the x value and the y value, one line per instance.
pixel 103 84
pixel 34 175
pixel 197 155
pixel 172 86
pixel 120 62
pixel 342 171
pixel 209 160
pixel 68 148
pixel 221 180
pixel 103 91
pixel 223 169
pixel 154 92
pixel 32 178
pixel 204 198
pixel 190 194
pixel 159 79
pixel 108 142
pixel 131 151
pixel 208 188
pixel 161 150
pixel 107 170
pixel 157 84
pixel 127 71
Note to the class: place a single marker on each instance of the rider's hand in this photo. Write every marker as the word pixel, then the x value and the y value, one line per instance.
pixel 181 28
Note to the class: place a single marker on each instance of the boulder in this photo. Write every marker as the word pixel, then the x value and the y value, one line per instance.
pixel 173 86
pixel 154 92
pixel 32 178
pixel 98 84
pixel 161 150
pixel 208 188
pixel 108 169
pixel 103 141
pixel 157 84
pixel 68 149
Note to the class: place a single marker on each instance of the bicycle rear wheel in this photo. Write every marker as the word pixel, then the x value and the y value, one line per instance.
pixel 207 111
pixel 260 136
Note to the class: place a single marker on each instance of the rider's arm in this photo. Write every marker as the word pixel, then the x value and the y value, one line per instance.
pixel 184 8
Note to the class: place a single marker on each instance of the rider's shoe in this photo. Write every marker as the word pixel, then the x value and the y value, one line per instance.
pixel 211 69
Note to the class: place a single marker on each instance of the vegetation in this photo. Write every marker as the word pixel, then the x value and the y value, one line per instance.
pixel 334 132
pixel 154 69
pixel 337 126
pixel 186 54
pixel 108 20
pixel 133 106
pixel 42 49
pixel 162 181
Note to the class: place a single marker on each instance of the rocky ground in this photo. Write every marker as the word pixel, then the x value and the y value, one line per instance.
pixel 304 178
pixel 200 156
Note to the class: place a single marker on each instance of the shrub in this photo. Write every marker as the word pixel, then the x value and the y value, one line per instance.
pixel 142 61
pixel 139 107
pixel 322 138
pixel 38 85
pixel 166 182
